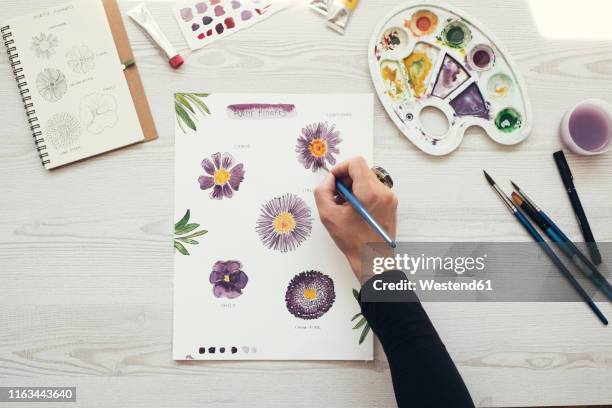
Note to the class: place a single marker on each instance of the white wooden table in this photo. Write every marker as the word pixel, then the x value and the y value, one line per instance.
pixel 86 251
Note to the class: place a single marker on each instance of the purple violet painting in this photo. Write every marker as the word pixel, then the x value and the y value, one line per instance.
pixel 284 223
pixel 228 279
pixel 221 175
pixel 310 295
pixel 317 145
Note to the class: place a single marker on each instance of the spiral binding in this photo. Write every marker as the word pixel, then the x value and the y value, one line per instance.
pixel 22 86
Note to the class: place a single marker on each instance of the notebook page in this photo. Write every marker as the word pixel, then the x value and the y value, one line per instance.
pixel 76 82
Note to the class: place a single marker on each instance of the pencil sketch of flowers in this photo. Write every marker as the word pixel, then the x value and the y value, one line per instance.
pixel 44 45
pixel 185 106
pixel 98 112
pixel 361 323
pixel 284 223
pixel 81 59
pixel 221 175
pixel 51 84
pixel 228 279
pixel 310 295
pixel 62 130
pixel 184 233
pixel 317 145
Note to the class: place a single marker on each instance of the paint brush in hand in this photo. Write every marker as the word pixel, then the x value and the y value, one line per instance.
pixel 348 195
pixel 563 242
pixel 547 249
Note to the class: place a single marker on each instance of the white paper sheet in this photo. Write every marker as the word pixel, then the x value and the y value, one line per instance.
pixel 258 324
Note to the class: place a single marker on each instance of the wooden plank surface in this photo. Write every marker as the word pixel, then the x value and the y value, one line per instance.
pixel 86 253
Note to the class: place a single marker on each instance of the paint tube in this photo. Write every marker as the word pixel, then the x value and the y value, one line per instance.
pixel 339 14
pixel 320 6
pixel 142 16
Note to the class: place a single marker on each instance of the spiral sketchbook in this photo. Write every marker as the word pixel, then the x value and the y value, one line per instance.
pixel 256 275
pixel 80 100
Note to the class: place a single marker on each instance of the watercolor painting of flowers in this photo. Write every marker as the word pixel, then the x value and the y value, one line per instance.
pixel 228 279
pixel 185 106
pixel 81 59
pixel 310 295
pixel 361 323
pixel 185 232
pixel 317 145
pixel 51 84
pixel 284 223
pixel 44 45
pixel 222 175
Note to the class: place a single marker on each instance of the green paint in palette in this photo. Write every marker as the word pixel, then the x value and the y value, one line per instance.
pixel 508 120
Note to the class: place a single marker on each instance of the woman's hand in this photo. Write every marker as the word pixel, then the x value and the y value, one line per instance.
pixel 349 231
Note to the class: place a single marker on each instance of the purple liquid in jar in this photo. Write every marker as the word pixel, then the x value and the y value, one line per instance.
pixel 590 128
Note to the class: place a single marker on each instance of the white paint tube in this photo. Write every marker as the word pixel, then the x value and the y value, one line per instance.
pixel 142 16
pixel 339 13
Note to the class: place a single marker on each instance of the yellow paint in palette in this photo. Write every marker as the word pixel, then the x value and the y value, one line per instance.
pixel 418 66
pixel 394 85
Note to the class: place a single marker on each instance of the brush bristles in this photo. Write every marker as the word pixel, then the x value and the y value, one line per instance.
pixel 518 200
pixel 489 179
pixel 517 188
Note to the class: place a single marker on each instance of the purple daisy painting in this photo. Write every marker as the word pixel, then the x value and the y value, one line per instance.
pixel 310 295
pixel 228 279
pixel 317 145
pixel 284 223
pixel 222 175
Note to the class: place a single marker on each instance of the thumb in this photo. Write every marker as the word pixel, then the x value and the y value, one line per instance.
pixel 325 194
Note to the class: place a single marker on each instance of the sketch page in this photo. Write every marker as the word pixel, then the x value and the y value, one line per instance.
pixel 76 82
pixel 257 276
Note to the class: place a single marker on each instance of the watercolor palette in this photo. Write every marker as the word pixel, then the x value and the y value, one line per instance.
pixel 431 58
pixel 205 21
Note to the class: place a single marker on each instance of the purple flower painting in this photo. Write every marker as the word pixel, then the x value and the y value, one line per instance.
pixel 284 223
pixel 317 145
pixel 222 175
pixel 310 295
pixel 228 279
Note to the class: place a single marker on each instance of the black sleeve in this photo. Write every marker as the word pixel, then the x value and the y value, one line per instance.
pixel 423 373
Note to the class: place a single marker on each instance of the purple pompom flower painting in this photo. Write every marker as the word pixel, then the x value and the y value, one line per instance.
pixel 310 295
pixel 284 223
pixel 317 145
pixel 222 175
pixel 228 279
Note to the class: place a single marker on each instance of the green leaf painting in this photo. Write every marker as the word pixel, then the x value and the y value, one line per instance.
pixel 187 107
pixel 361 323
pixel 185 232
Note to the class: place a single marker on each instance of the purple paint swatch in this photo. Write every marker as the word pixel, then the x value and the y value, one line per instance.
pixel 246 15
pixel 201 7
pixel 219 28
pixel 235 4
pixel 590 128
pixel 451 76
pixel 195 26
pixel 470 103
pixel 186 14
pixel 206 20
pixel 219 11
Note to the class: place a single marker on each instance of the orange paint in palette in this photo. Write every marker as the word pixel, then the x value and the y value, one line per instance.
pixel 434 58
pixel 205 21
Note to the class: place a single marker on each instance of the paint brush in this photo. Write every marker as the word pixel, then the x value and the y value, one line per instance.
pixel 361 210
pixel 563 242
pixel 547 249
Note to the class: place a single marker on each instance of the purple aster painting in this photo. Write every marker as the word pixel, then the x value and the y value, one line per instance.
pixel 228 279
pixel 222 175
pixel 310 295
pixel 317 145
pixel 284 223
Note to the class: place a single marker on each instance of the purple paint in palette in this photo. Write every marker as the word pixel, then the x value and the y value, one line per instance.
pixel 590 128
